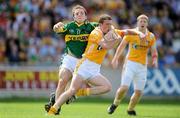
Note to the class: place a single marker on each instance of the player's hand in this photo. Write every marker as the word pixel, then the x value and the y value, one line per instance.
pixel 115 62
pixel 155 63
pixel 142 36
pixel 58 26
pixel 112 35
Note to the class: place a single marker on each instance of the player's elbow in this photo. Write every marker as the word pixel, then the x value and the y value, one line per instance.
pixel 55 29
pixel 103 45
pixel 107 47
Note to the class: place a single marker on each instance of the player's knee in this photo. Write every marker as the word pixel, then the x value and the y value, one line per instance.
pixel 138 93
pixel 123 89
pixel 62 83
pixel 65 75
pixel 72 91
pixel 107 87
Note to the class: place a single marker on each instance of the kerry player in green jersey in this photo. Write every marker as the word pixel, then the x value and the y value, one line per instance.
pixel 76 35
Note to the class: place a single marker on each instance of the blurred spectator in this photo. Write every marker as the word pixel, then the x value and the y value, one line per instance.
pixel 26 26
pixel 12 51
pixel 177 56
pixel 47 50
pixel 169 58
pixel 2 50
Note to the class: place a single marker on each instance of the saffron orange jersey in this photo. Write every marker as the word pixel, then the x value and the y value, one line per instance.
pixel 138 48
pixel 93 51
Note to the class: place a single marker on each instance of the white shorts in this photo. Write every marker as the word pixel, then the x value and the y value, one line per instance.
pixel 87 69
pixel 136 72
pixel 69 62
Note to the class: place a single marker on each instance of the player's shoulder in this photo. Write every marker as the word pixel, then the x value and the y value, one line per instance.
pixel 71 23
pixel 96 32
pixel 129 36
pixel 91 24
pixel 151 36
pixel 95 24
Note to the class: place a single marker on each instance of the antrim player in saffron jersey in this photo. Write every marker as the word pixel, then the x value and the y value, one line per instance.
pixel 135 66
pixel 76 37
pixel 88 68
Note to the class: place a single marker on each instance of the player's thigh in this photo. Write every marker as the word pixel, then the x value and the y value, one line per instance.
pixel 127 76
pixel 66 68
pixel 87 69
pixel 68 63
pixel 99 80
pixel 140 80
pixel 65 74
pixel 76 82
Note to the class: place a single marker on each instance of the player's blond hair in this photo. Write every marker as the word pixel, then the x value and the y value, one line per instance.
pixel 78 7
pixel 142 16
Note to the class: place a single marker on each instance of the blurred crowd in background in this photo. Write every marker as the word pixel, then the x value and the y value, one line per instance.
pixel 26 35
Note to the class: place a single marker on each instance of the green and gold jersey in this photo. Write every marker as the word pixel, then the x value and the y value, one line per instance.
pixel 76 37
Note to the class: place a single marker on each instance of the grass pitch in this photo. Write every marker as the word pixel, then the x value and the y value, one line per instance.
pixel 91 109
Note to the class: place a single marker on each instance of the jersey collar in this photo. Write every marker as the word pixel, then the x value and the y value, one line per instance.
pixel 79 24
pixel 146 32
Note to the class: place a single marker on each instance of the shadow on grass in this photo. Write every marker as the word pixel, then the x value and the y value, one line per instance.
pixel 94 100
pixel 144 116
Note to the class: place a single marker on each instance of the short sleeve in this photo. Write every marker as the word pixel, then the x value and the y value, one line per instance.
pixel 94 24
pixel 94 37
pixel 152 39
pixel 126 38
pixel 64 29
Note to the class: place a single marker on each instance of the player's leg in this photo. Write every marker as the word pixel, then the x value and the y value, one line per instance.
pixel 133 101
pixel 120 93
pixel 50 103
pixel 100 85
pixel 90 72
pixel 65 76
pixel 81 92
pixel 139 84
pixel 65 73
pixel 127 77
pixel 74 87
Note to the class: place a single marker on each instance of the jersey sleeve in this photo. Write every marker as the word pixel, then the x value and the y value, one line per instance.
pixel 64 29
pixel 126 38
pixel 94 37
pixel 153 39
pixel 94 24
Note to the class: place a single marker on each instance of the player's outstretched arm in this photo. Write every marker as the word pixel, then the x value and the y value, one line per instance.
pixel 110 40
pixel 58 27
pixel 118 53
pixel 134 32
pixel 108 44
pixel 154 55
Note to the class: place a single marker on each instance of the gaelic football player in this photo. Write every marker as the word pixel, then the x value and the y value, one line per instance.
pixel 76 37
pixel 135 66
pixel 88 68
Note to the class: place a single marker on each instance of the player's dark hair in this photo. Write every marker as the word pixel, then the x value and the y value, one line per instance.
pixel 104 17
